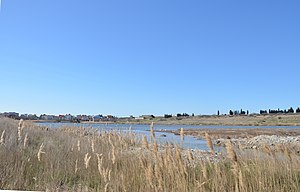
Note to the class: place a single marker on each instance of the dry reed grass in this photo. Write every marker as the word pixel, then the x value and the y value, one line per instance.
pixel 181 134
pixel 2 139
pixel 26 140
pixel 39 155
pixel 209 143
pixel 122 162
pixel 20 129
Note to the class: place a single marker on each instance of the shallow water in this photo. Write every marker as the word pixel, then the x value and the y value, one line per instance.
pixel 188 142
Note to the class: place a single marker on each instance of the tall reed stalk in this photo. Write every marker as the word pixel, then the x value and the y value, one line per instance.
pixel 2 139
pixel 181 134
pixel 209 143
pixel 152 137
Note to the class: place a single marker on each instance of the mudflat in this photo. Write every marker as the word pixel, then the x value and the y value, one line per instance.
pixel 243 120
pixel 237 132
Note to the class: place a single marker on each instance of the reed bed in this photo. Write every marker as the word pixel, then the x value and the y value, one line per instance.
pixel 79 159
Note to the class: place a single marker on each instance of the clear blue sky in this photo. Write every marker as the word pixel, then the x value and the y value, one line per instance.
pixel 149 56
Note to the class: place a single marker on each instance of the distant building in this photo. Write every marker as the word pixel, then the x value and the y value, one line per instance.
pixel 61 117
pixel 13 115
pixel 98 117
pixel 126 118
pixel 24 116
pixel 108 118
pixel 83 117
pixel 48 117
pixel 68 117
pixel 32 117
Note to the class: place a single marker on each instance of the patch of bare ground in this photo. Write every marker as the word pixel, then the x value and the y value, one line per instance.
pixel 238 132
pixel 250 138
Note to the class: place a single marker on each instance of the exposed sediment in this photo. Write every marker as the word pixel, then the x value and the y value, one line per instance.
pixel 249 138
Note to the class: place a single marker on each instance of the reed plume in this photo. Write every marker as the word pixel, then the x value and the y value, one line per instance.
pixel 93 146
pixel 78 145
pixel 241 181
pixel 106 174
pixel 230 151
pixel 178 153
pixel 209 143
pixel 20 129
pixel 87 159
pixel 234 163
pixel 109 175
pixel 181 134
pixel 204 171
pixel 145 143
pixel 288 154
pixel 190 156
pixel 106 187
pixel 149 174
pixel 155 148
pixel 76 166
pixel 26 139
pixel 113 155
pixel 2 140
pixel 40 151
pixel 152 132
pixel 100 161
pixel 158 175
pixel 21 124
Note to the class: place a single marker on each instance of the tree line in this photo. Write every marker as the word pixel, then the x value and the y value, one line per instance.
pixel 263 112
pixel 277 111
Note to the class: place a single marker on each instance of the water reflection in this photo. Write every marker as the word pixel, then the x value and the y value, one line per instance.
pixel 162 137
pixel 141 130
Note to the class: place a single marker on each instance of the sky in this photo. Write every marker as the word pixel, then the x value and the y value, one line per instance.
pixel 139 57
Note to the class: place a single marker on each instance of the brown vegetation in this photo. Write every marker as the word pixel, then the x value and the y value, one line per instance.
pixel 77 159
pixel 251 120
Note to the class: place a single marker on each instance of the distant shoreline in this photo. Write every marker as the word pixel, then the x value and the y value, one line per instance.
pixel 241 120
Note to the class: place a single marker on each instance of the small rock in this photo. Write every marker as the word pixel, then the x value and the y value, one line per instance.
pixel 254 147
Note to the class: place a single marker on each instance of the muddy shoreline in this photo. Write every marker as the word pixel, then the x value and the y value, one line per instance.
pixel 250 138
pixel 236 133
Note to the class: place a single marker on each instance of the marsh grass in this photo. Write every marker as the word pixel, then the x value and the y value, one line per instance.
pixel 80 159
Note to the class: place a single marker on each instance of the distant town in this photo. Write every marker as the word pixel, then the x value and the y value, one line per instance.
pixel 108 118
